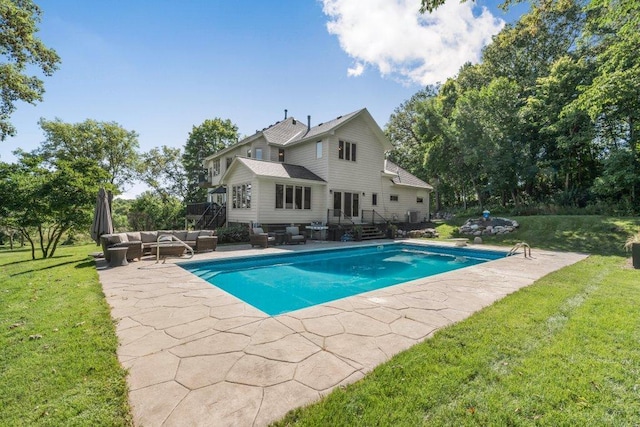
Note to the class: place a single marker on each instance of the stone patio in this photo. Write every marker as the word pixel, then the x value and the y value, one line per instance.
pixel 198 356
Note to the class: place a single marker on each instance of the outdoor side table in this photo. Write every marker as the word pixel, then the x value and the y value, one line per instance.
pixel 118 256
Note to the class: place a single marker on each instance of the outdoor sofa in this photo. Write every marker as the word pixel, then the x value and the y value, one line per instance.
pixel 139 243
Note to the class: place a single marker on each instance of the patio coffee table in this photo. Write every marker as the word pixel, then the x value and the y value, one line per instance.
pixel 167 249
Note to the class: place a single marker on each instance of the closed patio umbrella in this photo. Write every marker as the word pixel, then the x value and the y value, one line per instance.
pixel 102 223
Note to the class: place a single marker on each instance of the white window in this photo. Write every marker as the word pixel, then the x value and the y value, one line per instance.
pixel 293 197
pixel 347 151
pixel 281 155
pixel 241 196
pixel 374 199
pixel 393 197
pixel 419 200
pixel 258 155
pixel 216 167
pixel 319 150
pixel 249 153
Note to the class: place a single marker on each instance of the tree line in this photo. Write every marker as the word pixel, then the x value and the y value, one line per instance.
pixel 548 118
pixel 50 192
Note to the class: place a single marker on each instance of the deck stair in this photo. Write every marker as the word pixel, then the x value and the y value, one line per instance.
pixel 371 232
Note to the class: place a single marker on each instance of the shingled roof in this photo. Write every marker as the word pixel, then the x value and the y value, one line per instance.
pixel 291 130
pixel 402 177
pixel 278 170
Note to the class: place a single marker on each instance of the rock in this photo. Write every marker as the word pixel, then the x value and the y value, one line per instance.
pixel 477 240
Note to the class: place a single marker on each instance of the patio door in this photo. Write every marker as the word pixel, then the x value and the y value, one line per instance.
pixel 337 203
pixel 351 205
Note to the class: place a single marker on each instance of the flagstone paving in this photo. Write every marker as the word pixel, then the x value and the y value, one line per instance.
pixel 198 356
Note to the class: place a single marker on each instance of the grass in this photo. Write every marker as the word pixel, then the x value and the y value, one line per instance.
pixel 563 351
pixel 58 362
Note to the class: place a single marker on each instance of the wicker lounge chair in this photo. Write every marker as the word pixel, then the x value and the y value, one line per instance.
pixel 257 237
pixel 294 236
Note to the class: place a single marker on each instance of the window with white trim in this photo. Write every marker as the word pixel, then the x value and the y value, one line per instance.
pixel 293 197
pixel 258 154
pixel 419 200
pixel 347 150
pixel 241 196
pixel 393 197
pixel 215 169
pixel 319 150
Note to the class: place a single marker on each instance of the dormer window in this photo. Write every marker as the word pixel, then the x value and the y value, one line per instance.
pixel 281 155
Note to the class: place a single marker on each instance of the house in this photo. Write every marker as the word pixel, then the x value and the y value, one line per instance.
pixel 334 173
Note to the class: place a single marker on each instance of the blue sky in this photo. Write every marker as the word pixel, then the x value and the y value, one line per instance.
pixel 161 67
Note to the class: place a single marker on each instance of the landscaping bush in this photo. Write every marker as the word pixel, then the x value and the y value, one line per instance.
pixel 233 234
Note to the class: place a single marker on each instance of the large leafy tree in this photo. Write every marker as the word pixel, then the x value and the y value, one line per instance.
pixel 612 98
pixel 204 140
pixel 21 53
pixel 107 144
pixel 44 202
pixel 150 211
pixel 402 131
pixel 162 170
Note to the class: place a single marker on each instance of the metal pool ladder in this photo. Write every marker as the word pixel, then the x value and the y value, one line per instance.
pixel 169 239
pixel 522 245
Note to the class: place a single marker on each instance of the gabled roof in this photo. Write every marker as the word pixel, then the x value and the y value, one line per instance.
pixel 284 131
pixel 292 131
pixel 402 177
pixel 269 169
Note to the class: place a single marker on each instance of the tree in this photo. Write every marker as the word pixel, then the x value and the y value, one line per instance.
pixel 204 140
pixel 21 51
pixel 400 130
pixel 162 169
pixel 612 99
pixel 149 211
pixel 45 203
pixel 107 144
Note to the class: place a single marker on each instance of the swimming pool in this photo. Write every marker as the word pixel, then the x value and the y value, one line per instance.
pixel 279 283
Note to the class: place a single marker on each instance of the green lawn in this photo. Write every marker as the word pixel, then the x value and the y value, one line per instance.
pixel 563 351
pixel 58 362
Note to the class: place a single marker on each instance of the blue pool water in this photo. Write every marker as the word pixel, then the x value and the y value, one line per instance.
pixel 281 283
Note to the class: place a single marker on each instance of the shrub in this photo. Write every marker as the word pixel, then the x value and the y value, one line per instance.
pixel 233 234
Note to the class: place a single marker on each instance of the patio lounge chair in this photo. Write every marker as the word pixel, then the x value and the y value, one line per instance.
pixel 294 236
pixel 257 237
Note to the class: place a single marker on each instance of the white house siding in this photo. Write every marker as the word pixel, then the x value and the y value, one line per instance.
pixel 268 214
pixel 361 176
pixel 241 175
pixel 305 155
pixel 407 201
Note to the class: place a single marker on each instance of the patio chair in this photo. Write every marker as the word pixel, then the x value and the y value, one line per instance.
pixel 257 237
pixel 294 236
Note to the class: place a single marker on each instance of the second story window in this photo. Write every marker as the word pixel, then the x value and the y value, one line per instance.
pixel 258 154
pixel 347 150
pixel 249 153
pixel 215 169
pixel 281 155
pixel 319 150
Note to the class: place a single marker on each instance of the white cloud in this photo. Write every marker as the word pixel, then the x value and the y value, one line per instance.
pixel 401 43
pixel 356 70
